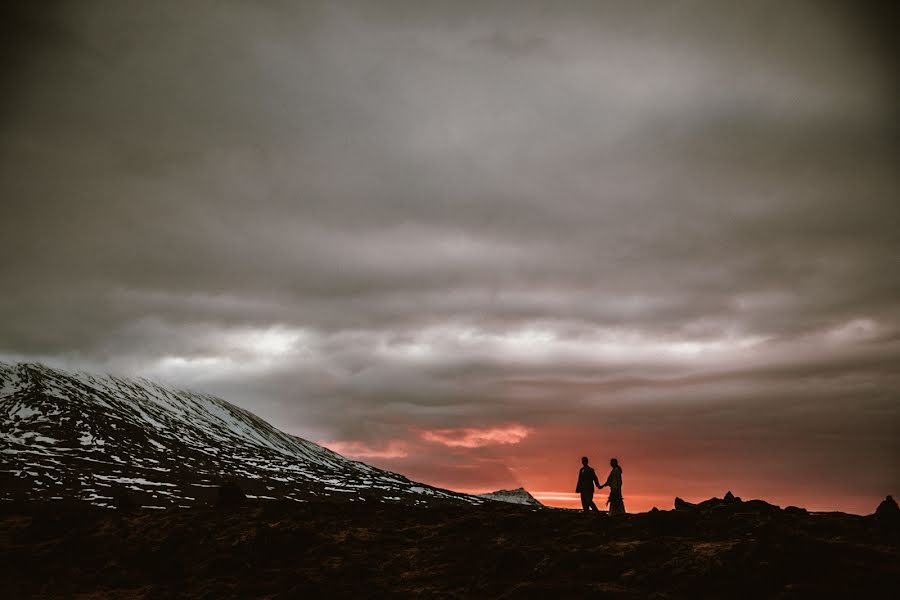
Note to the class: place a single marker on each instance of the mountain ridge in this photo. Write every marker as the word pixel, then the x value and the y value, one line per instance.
pixel 100 437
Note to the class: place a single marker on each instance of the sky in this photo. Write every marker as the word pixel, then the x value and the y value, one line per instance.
pixel 472 242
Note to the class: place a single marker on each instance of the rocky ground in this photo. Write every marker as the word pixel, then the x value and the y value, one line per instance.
pixel 272 549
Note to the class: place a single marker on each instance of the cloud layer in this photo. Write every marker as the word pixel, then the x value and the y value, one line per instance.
pixel 663 233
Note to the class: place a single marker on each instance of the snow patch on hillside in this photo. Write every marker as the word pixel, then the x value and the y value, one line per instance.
pixel 516 496
pixel 135 435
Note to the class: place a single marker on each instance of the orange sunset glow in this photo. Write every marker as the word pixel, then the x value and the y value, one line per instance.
pixel 657 467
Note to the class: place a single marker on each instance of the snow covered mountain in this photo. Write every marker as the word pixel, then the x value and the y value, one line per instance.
pixel 516 496
pixel 96 438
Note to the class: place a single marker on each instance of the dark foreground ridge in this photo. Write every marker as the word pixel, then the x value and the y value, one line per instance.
pixel 281 549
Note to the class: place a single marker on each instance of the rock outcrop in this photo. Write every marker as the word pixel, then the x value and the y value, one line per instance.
pixel 730 500
pixel 683 504
pixel 888 509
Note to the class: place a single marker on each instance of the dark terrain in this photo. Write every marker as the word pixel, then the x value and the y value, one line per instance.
pixel 282 549
pixel 110 488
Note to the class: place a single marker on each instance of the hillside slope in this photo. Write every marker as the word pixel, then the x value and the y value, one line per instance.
pixel 97 438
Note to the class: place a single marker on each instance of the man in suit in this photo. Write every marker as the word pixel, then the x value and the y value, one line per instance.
pixel 587 478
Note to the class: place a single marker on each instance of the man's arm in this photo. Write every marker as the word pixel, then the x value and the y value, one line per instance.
pixel 597 481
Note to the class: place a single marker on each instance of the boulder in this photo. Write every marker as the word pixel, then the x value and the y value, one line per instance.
pixel 683 505
pixel 760 506
pixel 888 509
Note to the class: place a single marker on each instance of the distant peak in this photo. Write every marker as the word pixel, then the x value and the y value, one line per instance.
pixel 517 496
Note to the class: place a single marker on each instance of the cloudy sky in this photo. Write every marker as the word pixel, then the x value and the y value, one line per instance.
pixel 471 242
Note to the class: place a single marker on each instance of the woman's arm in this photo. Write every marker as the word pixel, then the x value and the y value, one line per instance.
pixel 606 483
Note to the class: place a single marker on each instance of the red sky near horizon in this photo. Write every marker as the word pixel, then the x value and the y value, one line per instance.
pixel 657 467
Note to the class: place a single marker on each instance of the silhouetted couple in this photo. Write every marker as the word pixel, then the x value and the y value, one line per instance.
pixel 587 478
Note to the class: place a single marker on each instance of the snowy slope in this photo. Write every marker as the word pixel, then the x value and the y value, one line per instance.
pixel 516 496
pixel 72 435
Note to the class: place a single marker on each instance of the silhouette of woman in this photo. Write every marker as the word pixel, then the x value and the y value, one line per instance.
pixel 614 481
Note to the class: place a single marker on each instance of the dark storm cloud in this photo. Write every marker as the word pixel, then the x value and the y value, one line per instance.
pixel 358 218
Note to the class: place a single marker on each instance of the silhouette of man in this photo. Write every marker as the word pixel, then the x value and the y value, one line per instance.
pixel 614 481
pixel 587 478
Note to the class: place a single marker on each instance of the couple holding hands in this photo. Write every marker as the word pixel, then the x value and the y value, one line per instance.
pixel 587 478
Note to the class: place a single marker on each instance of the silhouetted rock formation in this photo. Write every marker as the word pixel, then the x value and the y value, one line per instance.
pixel 230 495
pixel 888 509
pixel 795 510
pixel 732 501
pixel 683 505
